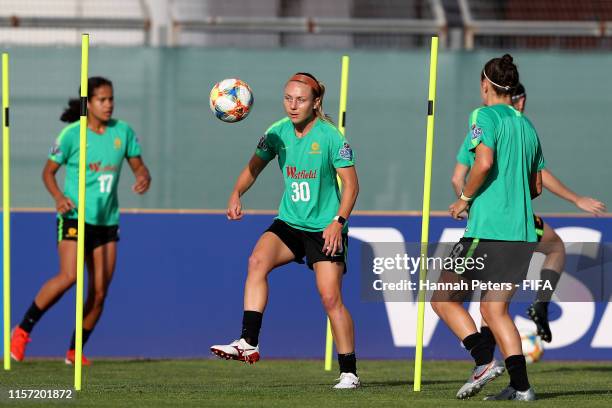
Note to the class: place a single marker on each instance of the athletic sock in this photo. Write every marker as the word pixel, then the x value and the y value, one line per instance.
pixel 31 317
pixel 86 334
pixel 348 363
pixel 251 325
pixel 487 334
pixel 517 368
pixel 552 276
pixel 478 347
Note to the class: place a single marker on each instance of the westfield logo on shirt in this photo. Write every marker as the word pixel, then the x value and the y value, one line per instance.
pixel 97 167
pixel 292 172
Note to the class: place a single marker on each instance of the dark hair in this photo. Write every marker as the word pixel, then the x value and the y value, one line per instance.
pixel 502 74
pixel 518 93
pixel 319 111
pixel 73 111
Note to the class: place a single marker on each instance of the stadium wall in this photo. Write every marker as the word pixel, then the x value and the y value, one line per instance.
pixel 194 158
pixel 179 280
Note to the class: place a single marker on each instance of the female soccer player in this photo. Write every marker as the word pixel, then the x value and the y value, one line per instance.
pixel 311 221
pixel 109 141
pixel 551 244
pixel 504 177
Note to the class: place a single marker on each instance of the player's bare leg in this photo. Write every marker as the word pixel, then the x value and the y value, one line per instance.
pixel 494 310
pixel 329 283
pixel 100 268
pixel 269 253
pixel 448 305
pixel 51 291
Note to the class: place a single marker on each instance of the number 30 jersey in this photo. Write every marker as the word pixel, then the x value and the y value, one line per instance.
pixel 105 154
pixel 312 196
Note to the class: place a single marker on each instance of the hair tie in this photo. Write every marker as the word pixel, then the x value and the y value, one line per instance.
pixel 507 88
pixel 305 79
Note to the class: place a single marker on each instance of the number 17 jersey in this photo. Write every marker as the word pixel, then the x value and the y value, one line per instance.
pixel 312 196
pixel 105 154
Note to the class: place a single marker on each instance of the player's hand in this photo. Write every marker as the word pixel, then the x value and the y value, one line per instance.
pixel 64 205
pixel 234 207
pixel 142 184
pixel 457 209
pixel 333 239
pixel 591 205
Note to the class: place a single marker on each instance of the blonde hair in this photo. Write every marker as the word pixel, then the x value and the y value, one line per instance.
pixel 319 109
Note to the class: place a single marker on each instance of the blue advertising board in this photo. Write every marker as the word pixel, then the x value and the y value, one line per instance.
pixel 179 280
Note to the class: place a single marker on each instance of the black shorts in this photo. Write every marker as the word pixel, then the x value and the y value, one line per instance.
pixel 539 226
pixel 95 235
pixel 307 244
pixel 492 260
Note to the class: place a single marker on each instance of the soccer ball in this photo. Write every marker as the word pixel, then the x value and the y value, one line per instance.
pixel 532 347
pixel 231 100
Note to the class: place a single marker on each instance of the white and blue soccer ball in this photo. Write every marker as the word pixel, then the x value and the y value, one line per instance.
pixel 231 100
pixel 533 350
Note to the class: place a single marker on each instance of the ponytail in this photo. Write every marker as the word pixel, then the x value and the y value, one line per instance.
pixel 319 110
pixel 72 112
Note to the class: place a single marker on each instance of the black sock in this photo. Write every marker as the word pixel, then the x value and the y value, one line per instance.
pixel 487 334
pixel 348 363
pixel 478 347
pixel 552 276
pixel 31 317
pixel 251 325
pixel 517 368
pixel 86 334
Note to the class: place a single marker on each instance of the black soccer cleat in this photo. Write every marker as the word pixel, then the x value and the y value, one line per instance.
pixel 538 312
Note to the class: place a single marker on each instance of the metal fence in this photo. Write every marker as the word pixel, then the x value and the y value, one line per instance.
pixel 561 24
pixel 557 24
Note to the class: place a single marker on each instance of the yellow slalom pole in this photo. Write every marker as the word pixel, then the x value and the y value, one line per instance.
pixel 329 338
pixel 81 213
pixel 343 93
pixel 418 354
pixel 6 213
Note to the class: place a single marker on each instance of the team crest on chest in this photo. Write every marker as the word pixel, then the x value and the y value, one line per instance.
pixel 315 148
pixel 117 143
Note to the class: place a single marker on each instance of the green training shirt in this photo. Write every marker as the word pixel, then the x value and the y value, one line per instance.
pixel 105 154
pixel 502 209
pixel 312 197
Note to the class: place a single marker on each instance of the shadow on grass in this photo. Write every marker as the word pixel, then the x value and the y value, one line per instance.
pixel 410 384
pixel 548 395
pixel 593 368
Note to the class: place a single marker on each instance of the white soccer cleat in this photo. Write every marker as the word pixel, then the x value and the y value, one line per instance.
pixel 347 381
pixel 238 350
pixel 481 376
pixel 510 394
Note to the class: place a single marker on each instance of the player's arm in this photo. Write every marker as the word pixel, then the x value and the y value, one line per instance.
pixel 141 173
pixel 458 178
pixel 535 184
pixel 245 180
pixel 350 189
pixel 555 186
pixel 62 203
pixel 476 178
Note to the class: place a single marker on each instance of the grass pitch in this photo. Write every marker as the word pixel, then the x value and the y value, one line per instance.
pixel 292 383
